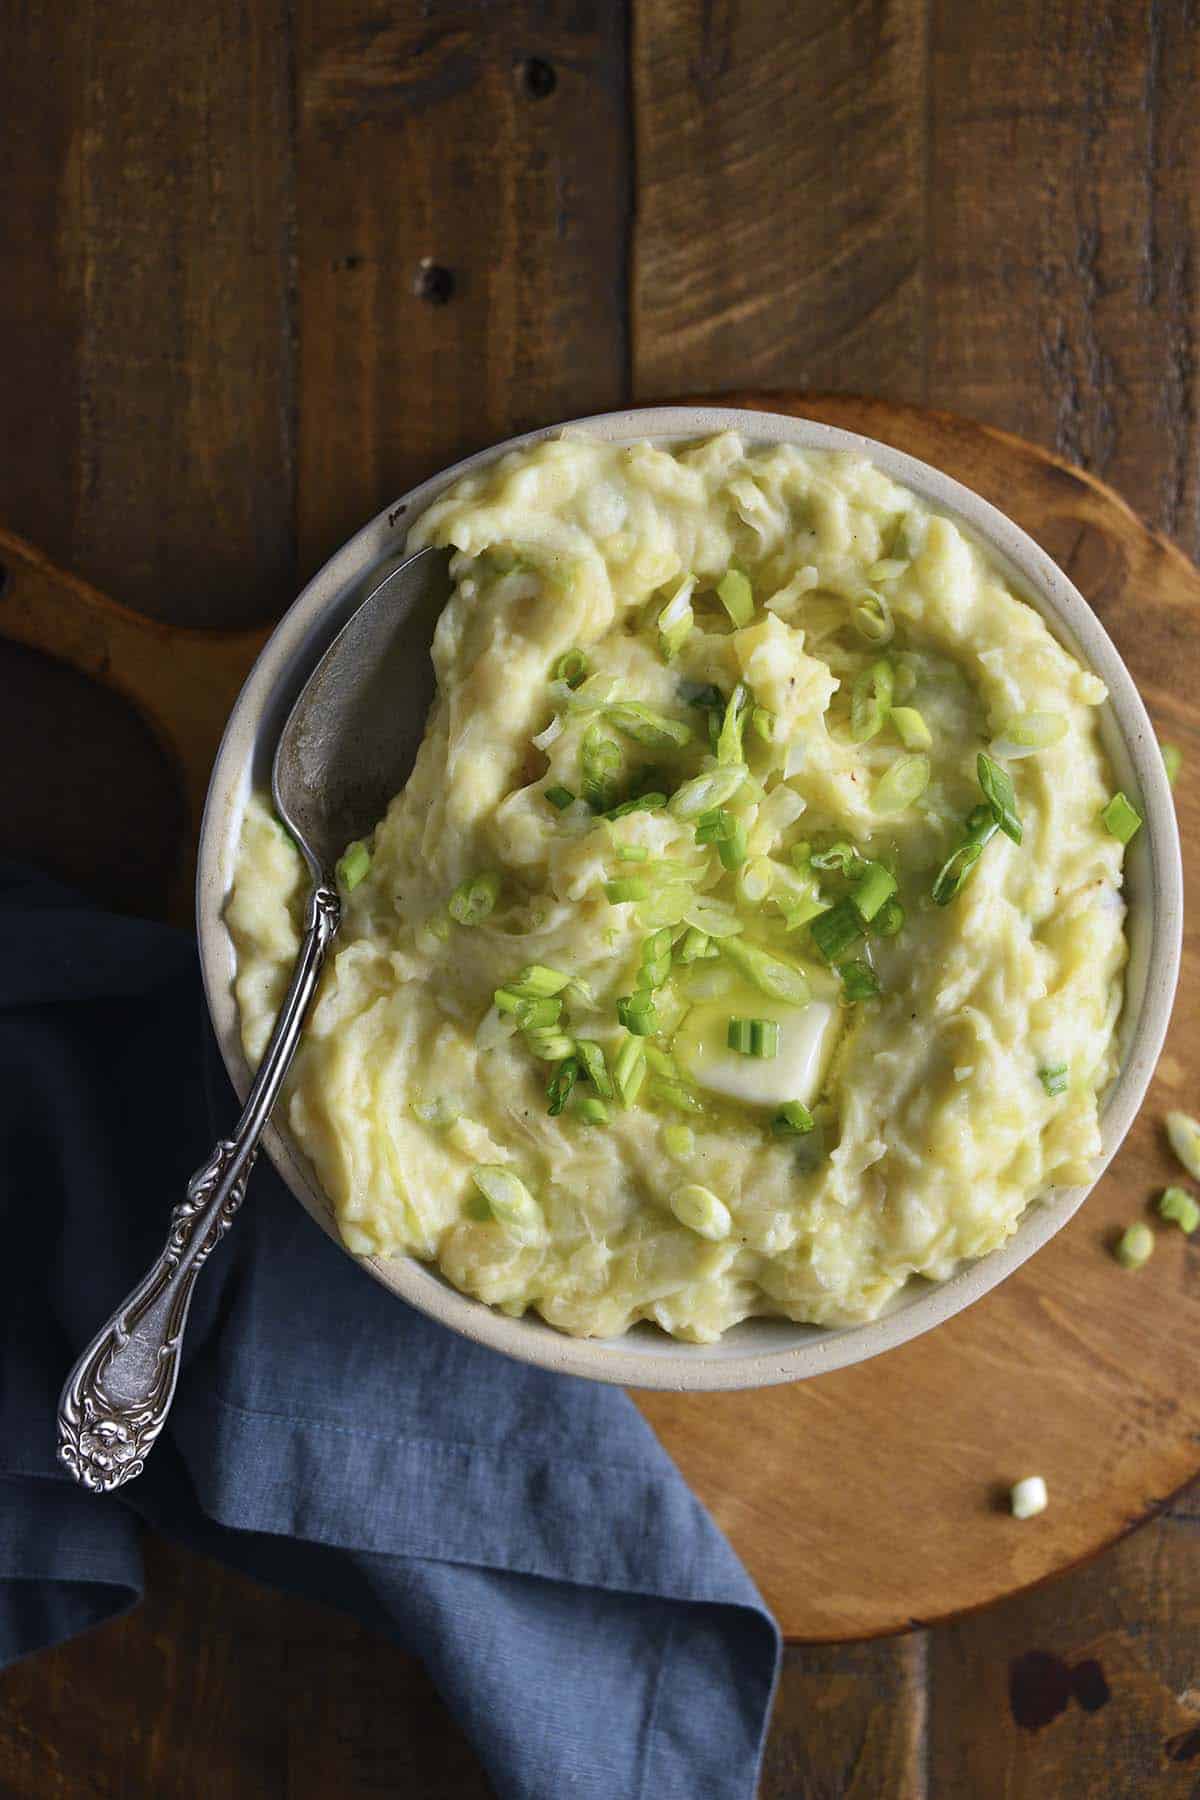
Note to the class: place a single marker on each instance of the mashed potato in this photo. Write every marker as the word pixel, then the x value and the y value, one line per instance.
pixel 697 972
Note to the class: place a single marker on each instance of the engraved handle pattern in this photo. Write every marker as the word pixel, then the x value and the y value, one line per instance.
pixel 116 1398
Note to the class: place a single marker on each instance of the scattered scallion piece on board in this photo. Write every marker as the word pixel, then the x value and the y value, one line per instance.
pixel 1183 1134
pixel 1176 1204
pixel 1135 1246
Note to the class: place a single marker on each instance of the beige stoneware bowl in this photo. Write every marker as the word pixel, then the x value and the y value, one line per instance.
pixel 759 1351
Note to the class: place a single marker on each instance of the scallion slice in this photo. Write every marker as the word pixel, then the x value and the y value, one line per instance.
pixel 842 857
pixel 591 1110
pixel 1000 795
pixel 739 1036
pixel 874 887
pixel 901 784
pixel 352 865
pixel 1027 733
pixel 559 1090
pixel 870 701
pixel 473 900
pixel 729 739
pixel 792 1120
pixel 981 829
pixel 778 979
pixel 871 617
pixel 736 596
pixel 696 946
pixel 1121 818
pixel 676 619
pixel 733 849
pixel 537 982
pixel 764 1038
pixel 1176 1204
pixel 859 981
pixel 627 887
pixel 645 726
pixel 836 931
pixel 702 1212
pixel 754 881
pixel 704 793
pixel 764 724
pixel 673 1093
pixel 713 918
pixel 1056 1078
pixel 1183 1135
pixel 635 853
pixel 637 1013
pixel 560 797
pixel 629 1069
pixel 507 1196
pixel 591 1059
pixel 651 802
pixel 572 667
pixel 913 732
pixel 889 919
pixel 549 1045
pixel 678 1141
pixel 1135 1246
pixel 600 763
pixel 715 826
pixel 537 1015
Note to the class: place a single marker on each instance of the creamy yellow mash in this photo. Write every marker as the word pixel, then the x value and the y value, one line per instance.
pixel 697 973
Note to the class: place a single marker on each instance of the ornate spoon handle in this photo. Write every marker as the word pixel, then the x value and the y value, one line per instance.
pixel 116 1398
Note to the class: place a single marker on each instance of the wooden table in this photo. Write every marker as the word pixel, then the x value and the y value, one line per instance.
pixel 268 263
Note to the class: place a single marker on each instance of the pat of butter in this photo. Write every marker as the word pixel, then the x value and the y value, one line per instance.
pixel 806 1036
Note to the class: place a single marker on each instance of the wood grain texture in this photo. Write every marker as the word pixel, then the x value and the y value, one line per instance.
pixel 463 189
pixel 148 375
pixel 780 224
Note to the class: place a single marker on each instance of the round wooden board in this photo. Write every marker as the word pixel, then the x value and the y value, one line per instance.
pixel 873 1499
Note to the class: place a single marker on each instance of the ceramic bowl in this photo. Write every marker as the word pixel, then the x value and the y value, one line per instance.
pixel 759 1351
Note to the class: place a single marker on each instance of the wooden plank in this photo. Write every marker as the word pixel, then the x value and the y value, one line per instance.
pixel 1087 1687
pixel 463 180
pixel 1064 210
pixel 150 376
pixel 780 219
pixel 849 1722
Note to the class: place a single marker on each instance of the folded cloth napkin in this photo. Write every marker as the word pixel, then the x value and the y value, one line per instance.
pixel 523 1533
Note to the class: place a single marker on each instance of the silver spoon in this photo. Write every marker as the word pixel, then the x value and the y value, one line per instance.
pixel 346 748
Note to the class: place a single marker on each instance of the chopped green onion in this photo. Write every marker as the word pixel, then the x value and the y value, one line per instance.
pixel 647 727
pixel 1028 1498
pixel 1121 818
pixel 676 619
pixel 1000 795
pixel 715 826
pixel 872 618
pixel 599 762
pixel 659 1063
pixel 666 905
pixel 509 1199
pixel 559 1090
pixel 629 887
pixel 637 1014
pixel 1032 731
pixel 1172 757
pixel 800 910
pixel 673 1093
pixel 536 982
pixel 792 1120
pixel 506 1001
pixel 629 1069
pixel 474 899
pixel 637 853
pixel 889 919
pixel 729 740
pixel 763 723
pixel 754 881
pixel 706 792
pixel 699 1209
pixel 1177 1205
pixel 739 1036
pixel 778 979
pixel 836 931
pixel 736 596
pixel 591 1110
pixel 678 1141
pixel 859 981
pixel 901 784
pixel 733 849
pixel 695 946
pixel 841 856
pixel 536 1015
pixel 981 829
pixel 573 667
pixel 352 865
pixel 1135 1246
pixel 875 886
pixel 870 701
pixel 1055 1079
pixel 711 917
pixel 1183 1135
pixel 591 1058
pixel 764 1038
pixel 656 960
pixel 560 797
pixel 549 1045
pixel 639 803
pixel 913 731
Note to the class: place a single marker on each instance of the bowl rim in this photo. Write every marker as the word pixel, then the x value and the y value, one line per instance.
pixel 739 1359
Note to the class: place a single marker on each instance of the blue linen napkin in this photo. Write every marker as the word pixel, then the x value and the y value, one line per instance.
pixel 523 1533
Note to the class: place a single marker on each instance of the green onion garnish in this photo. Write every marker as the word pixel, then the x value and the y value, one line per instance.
pixel 981 829
pixel 739 1036
pixel 695 946
pixel 352 865
pixel 859 981
pixel 637 853
pixel 1121 818
pixel 1055 1079
pixel 628 887
pixel 1033 731
pixel 573 667
pixel 676 619
pixel 836 931
pixel 870 701
pixel 645 726
pixel 901 784
pixel 754 881
pixel 537 982
pixel 639 803
pixel 842 857
pixel 1135 1246
pixel 764 1038
pixel 1172 757
pixel 629 1069
pixel 889 919
pixel 706 792
pixel 736 596
pixel 591 1110
pixel 507 1196
pixel 874 887
pixel 914 733
pixel 549 1045
pixel 659 1063
pixel 506 1001
pixel 656 960
pixel 1183 1135
pixel 559 1090
pixel 1000 795
pixel 729 740
pixel 871 617
pixel 778 979
pixel 637 1013
pixel 715 826
pixel 763 723
pixel 733 849
pixel 1177 1204
pixel 673 1093
pixel 700 1210
pixel 537 1015
pixel 560 797
pixel 591 1059
pixel 678 1141
pixel 599 763
pixel 792 1120
pixel 474 899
